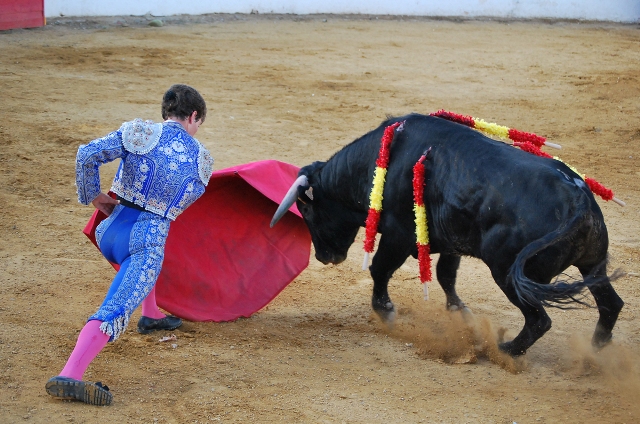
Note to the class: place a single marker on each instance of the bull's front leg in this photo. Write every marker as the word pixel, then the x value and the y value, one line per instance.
pixel 446 272
pixel 389 257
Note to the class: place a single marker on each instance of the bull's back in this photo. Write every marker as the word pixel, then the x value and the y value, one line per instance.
pixel 482 194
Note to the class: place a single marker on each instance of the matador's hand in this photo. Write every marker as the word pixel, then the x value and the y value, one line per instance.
pixel 104 203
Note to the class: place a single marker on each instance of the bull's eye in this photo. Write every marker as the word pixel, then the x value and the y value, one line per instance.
pixel 304 209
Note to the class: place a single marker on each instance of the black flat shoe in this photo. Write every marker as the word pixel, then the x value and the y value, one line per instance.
pixel 84 391
pixel 147 325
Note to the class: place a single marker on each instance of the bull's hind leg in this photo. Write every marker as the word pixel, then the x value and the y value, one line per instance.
pixel 536 322
pixel 386 261
pixel 609 305
pixel 446 272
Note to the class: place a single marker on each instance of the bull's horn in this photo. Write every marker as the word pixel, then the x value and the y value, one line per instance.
pixel 289 199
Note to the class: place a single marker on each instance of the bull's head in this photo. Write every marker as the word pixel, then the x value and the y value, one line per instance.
pixel 330 223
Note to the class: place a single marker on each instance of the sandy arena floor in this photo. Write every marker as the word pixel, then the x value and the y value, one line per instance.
pixel 297 89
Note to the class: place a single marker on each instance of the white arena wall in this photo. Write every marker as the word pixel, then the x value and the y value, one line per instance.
pixel 627 11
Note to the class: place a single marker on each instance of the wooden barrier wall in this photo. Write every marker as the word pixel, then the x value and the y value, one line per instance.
pixel 21 14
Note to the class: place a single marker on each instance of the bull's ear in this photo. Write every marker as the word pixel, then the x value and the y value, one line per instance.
pixel 305 194
pixel 309 193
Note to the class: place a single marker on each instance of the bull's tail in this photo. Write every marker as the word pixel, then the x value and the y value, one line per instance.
pixel 561 292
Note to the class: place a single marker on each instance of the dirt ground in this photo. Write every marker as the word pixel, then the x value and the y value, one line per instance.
pixel 297 89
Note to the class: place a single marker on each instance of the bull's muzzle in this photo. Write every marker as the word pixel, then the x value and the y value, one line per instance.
pixel 327 258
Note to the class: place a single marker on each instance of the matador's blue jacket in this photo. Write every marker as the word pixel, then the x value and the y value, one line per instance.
pixel 163 168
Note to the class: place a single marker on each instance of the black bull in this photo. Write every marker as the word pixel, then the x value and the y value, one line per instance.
pixel 527 218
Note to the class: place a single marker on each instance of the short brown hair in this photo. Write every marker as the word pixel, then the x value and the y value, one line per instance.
pixel 181 101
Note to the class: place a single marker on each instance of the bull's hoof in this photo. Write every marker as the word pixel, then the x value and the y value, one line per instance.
pixel 466 313
pixel 461 307
pixel 601 338
pixel 386 312
pixel 510 349
pixel 456 305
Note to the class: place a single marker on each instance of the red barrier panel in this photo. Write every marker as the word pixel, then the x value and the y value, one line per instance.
pixel 21 14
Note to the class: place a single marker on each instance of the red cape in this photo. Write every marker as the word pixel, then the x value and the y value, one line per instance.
pixel 222 261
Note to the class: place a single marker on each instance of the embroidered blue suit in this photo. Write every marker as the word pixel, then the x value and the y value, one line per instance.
pixel 163 170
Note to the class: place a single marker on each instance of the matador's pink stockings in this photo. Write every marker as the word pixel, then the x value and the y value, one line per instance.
pixel 149 306
pixel 90 342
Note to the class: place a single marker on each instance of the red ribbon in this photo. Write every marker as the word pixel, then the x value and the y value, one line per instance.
pixel 599 189
pixel 424 258
pixel 387 138
pixel 371 229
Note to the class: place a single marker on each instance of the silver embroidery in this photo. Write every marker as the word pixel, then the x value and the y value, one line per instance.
pixel 140 137
pixel 205 164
